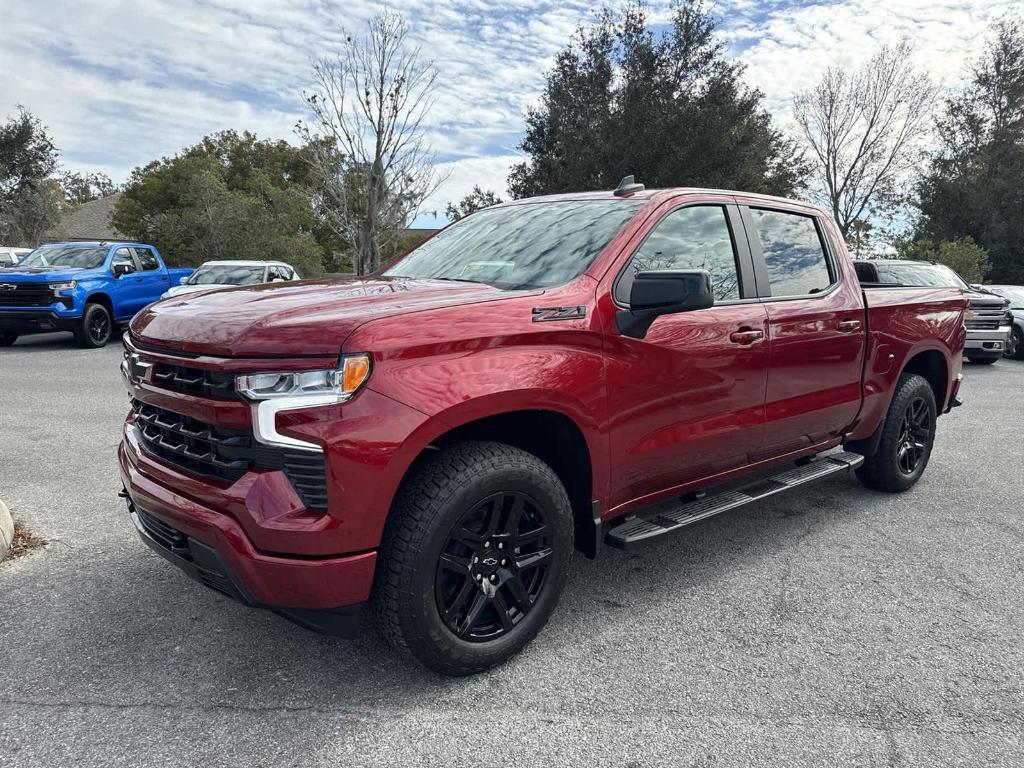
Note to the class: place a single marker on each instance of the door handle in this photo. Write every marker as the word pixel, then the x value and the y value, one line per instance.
pixel 746 337
pixel 848 326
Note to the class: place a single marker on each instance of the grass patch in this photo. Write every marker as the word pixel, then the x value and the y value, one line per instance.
pixel 24 542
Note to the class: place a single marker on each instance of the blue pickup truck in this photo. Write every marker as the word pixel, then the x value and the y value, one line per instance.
pixel 85 288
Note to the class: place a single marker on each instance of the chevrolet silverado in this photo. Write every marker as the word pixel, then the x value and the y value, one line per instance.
pixel 548 375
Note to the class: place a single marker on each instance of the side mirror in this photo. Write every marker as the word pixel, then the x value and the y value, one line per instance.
pixel 119 270
pixel 663 293
pixel 183 280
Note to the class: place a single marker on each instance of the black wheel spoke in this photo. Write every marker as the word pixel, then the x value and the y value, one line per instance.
pixel 519 594
pixel 456 564
pixel 501 609
pixel 533 559
pixel 480 601
pixel 468 588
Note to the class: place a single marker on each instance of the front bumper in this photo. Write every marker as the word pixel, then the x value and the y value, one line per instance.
pixel 214 549
pixel 986 343
pixel 23 321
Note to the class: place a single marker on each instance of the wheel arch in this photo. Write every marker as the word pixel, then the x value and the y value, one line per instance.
pixel 931 365
pixel 550 435
pixel 100 298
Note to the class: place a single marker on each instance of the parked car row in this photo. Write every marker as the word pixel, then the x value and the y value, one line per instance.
pixel 91 288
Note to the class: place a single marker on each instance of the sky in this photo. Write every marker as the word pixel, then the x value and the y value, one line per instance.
pixel 122 83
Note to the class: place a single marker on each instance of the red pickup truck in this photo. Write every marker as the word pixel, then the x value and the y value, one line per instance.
pixel 551 374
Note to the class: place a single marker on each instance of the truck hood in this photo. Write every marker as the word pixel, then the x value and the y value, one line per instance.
pixel 44 274
pixel 306 318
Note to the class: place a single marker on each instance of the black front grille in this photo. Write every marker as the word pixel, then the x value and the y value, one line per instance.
pixel 26 295
pixel 195 381
pixel 227 454
pixel 988 316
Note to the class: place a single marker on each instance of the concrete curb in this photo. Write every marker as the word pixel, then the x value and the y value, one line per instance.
pixel 6 529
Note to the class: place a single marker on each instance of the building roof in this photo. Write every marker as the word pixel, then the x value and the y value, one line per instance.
pixel 90 221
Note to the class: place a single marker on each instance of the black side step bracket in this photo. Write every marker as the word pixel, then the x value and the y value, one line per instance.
pixel 667 519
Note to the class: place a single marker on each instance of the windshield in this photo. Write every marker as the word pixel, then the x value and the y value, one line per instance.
pixel 926 275
pixel 86 257
pixel 1014 293
pixel 226 274
pixel 534 245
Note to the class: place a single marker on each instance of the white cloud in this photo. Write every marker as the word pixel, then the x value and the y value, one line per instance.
pixel 126 81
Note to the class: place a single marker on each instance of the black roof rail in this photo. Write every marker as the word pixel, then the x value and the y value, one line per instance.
pixel 627 187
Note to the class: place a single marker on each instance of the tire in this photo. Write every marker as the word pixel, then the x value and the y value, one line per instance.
pixel 1015 345
pixel 453 504
pixel 983 360
pixel 7 338
pixel 887 469
pixel 96 328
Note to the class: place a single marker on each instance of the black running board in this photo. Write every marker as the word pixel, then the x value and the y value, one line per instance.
pixel 646 527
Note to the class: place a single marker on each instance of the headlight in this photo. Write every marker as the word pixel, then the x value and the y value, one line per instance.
pixel 272 393
pixel 63 289
pixel 341 382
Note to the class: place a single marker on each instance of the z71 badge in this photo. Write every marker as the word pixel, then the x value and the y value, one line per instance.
pixel 546 314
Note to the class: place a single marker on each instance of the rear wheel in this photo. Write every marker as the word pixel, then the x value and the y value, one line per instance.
pixel 908 434
pixel 96 327
pixel 983 360
pixel 7 338
pixel 474 557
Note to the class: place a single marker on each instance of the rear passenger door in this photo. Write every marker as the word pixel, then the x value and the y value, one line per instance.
pixel 816 328
pixel 154 278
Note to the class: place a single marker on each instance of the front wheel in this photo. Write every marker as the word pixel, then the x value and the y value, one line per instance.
pixel 96 328
pixel 908 434
pixel 1015 344
pixel 474 556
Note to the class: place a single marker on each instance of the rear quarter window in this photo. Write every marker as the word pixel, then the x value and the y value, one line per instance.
pixel 793 252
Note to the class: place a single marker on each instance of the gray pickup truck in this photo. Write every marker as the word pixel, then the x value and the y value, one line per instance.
pixel 988 320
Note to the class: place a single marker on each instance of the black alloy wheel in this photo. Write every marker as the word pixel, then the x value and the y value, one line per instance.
pixel 493 566
pixel 99 327
pixel 915 433
pixel 96 328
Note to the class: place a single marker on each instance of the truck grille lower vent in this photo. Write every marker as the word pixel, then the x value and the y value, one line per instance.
pixel 227 454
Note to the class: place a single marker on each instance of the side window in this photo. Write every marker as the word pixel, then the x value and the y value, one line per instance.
pixel 147 261
pixel 697 237
pixel 286 273
pixel 793 253
pixel 123 257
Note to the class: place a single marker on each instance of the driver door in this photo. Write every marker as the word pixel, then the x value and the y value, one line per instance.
pixel 687 401
pixel 129 289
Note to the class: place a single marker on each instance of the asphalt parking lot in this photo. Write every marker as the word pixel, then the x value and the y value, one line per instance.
pixel 832 626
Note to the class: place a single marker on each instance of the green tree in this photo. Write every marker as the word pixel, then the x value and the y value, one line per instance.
pixel 232 196
pixel 80 188
pixel 471 203
pixel 973 186
pixel 963 256
pixel 30 204
pixel 666 105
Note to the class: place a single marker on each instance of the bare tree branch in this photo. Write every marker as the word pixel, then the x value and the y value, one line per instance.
pixel 367 110
pixel 866 130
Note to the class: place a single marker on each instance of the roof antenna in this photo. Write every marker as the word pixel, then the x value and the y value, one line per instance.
pixel 627 187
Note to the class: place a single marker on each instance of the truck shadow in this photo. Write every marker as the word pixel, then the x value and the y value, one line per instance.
pixel 137 629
